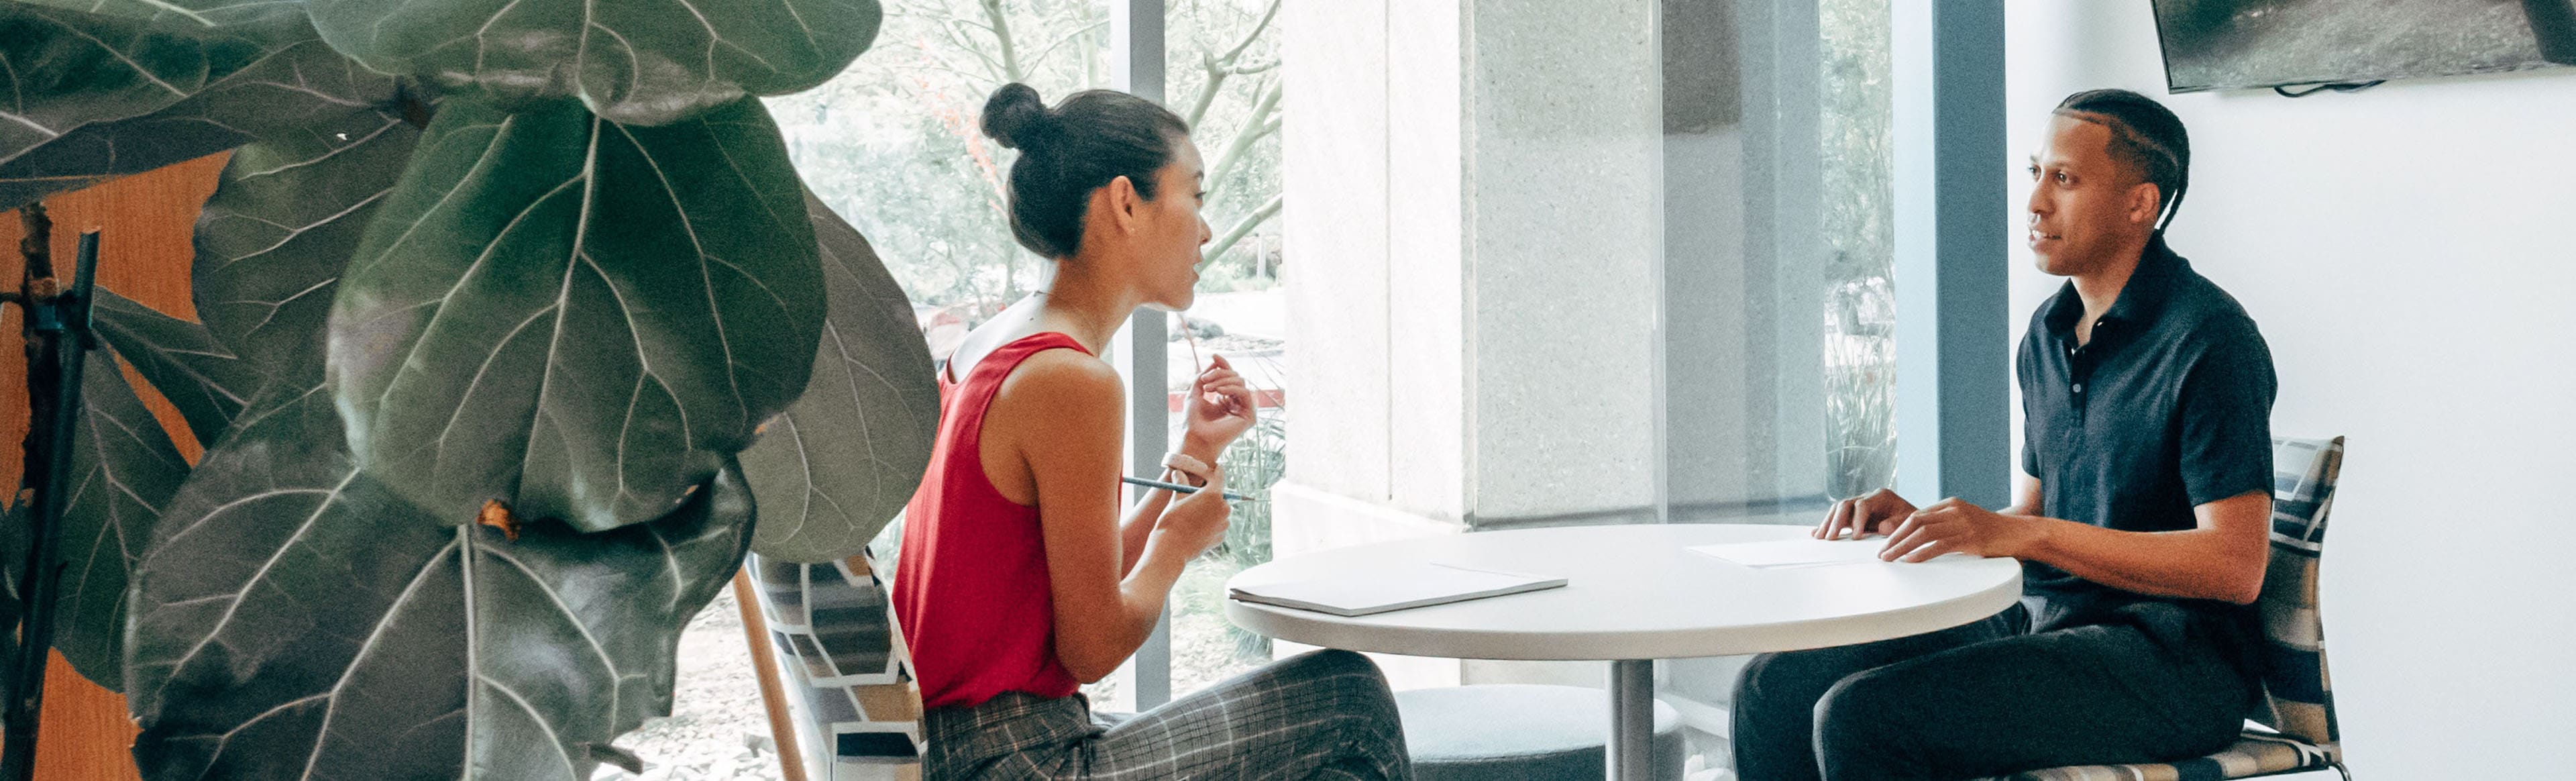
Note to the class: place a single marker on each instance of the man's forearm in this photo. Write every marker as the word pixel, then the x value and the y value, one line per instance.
pixel 2204 563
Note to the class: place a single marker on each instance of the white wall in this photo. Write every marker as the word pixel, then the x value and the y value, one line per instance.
pixel 2410 253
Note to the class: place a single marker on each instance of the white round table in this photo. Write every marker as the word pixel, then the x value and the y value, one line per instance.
pixel 1633 594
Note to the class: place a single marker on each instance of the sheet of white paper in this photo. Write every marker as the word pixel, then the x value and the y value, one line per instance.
pixel 1795 552
pixel 1394 588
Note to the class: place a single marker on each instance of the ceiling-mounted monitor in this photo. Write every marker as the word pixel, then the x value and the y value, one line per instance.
pixel 2237 44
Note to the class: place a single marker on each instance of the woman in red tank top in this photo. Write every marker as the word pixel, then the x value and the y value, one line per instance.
pixel 1017 579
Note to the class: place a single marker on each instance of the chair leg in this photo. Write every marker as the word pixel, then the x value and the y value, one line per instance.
pixel 2339 768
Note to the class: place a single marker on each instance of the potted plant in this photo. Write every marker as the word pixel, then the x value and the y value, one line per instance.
pixel 512 314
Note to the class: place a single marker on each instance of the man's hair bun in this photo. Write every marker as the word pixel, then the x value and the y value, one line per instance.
pixel 1015 116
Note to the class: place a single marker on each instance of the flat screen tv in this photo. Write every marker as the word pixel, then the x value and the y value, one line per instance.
pixel 2237 44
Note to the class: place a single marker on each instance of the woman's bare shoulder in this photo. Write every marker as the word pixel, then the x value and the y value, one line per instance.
pixel 1059 407
pixel 1064 378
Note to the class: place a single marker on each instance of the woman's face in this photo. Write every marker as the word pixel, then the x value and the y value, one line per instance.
pixel 1173 231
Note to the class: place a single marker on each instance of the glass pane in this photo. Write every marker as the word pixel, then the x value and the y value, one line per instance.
pixel 1780 375
pixel 1223 79
pixel 1855 100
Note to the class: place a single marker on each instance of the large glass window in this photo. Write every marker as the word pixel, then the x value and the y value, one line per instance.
pixel 893 144
pixel 1776 383
pixel 1779 236
pixel 1224 78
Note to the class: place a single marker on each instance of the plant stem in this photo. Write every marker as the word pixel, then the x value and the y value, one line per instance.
pixel 57 332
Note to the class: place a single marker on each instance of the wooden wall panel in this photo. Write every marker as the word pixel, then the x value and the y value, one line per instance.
pixel 145 222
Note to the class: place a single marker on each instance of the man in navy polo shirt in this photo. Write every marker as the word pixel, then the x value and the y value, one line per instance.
pixel 2140 516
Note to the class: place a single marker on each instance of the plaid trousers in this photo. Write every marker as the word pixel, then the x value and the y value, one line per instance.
pixel 1325 714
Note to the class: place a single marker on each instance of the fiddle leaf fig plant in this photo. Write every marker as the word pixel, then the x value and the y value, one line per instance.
pixel 124 471
pixel 510 319
pixel 654 293
pixel 297 618
pixel 180 359
pixel 93 95
pixel 832 470
pixel 282 223
pixel 633 63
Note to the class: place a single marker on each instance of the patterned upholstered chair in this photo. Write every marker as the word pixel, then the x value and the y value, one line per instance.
pixel 847 679
pixel 2298 731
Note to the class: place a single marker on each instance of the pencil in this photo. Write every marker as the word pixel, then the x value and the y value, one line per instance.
pixel 1176 487
pixel 1193 339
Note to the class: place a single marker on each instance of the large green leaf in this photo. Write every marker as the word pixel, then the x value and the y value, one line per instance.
pixel 281 226
pixel 645 63
pixel 89 96
pixel 294 618
pixel 184 13
pixel 579 318
pixel 181 360
pixel 124 470
pixel 834 468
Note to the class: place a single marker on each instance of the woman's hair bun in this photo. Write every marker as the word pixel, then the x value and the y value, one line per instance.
pixel 1015 115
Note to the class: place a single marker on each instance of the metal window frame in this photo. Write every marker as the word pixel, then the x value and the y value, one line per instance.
pixel 1953 364
pixel 1136 66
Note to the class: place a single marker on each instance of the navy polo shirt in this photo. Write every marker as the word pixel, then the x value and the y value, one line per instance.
pixel 2168 407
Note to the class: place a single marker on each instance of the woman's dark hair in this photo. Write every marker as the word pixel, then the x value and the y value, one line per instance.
pixel 1080 145
pixel 2145 136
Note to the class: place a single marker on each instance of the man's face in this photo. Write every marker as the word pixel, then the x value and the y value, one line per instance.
pixel 2085 207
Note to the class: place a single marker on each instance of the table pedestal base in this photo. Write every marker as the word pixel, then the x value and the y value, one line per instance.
pixel 1632 720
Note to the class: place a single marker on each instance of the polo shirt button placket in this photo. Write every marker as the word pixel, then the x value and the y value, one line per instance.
pixel 2075 387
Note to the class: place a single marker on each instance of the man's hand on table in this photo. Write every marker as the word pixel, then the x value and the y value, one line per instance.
pixel 1919 534
pixel 1955 526
pixel 1877 513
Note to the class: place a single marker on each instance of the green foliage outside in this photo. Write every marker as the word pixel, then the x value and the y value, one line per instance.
pixel 1860 301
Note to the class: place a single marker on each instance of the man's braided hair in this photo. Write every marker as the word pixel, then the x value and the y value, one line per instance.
pixel 2145 136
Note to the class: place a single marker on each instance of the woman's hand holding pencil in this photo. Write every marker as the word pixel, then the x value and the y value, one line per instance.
pixel 1196 521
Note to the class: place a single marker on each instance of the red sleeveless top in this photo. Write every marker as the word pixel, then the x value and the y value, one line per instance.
pixel 970 584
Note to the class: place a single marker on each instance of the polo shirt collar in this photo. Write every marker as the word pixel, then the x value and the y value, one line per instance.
pixel 2141 299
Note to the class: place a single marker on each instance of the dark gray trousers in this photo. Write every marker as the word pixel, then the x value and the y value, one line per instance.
pixel 1987 699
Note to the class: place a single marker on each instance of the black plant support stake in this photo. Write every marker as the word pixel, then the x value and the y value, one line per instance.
pixel 58 326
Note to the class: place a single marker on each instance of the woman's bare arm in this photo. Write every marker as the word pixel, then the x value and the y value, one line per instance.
pixel 1064 413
